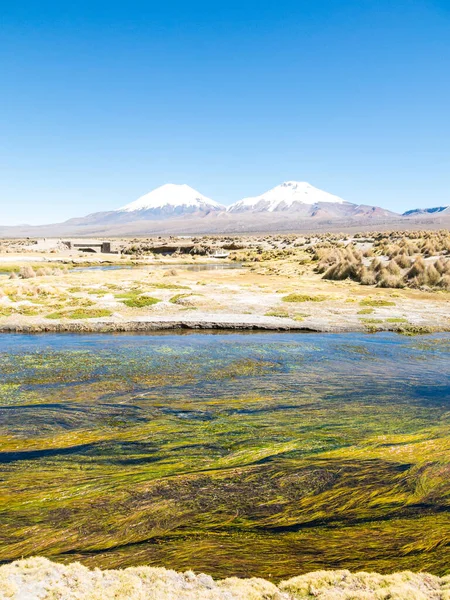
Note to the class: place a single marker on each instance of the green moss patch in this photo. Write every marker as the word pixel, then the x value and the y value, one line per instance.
pixel 176 299
pixel 371 321
pixel 282 314
pixel 169 286
pixel 376 302
pixel 80 313
pixel 396 320
pixel 303 298
pixel 141 301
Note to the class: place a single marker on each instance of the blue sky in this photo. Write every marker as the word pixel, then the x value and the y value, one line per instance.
pixel 103 101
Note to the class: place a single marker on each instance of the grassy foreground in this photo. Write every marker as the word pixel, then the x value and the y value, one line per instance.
pixel 40 579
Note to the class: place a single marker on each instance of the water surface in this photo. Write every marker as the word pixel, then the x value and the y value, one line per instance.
pixel 181 266
pixel 258 454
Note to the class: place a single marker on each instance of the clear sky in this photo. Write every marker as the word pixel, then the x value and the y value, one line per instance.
pixel 103 101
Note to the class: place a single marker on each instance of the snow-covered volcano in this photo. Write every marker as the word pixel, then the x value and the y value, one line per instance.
pixel 286 196
pixel 173 209
pixel 169 200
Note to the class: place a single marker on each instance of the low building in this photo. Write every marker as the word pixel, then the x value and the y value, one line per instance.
pixel 96 246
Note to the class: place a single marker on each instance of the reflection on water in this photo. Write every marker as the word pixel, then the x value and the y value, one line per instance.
pixel 261 454
pixel 182 266
pixel 203 266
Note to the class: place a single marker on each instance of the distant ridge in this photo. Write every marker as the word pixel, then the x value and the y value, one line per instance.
pixel 427 211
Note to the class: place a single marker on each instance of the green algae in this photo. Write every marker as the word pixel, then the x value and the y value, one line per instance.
pixel 411 330
pixel 245 455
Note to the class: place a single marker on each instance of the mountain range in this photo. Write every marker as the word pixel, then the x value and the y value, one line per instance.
pixel 291 206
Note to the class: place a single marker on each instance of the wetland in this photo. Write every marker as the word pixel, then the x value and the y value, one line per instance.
pixel 393 281
pixel 269 454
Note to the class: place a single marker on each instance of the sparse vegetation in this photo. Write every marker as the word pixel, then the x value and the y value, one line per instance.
pixel 169 286
pixel 394 261
pixel 303 298
pixel 140 301
pixel 341 277
pixel 282 314
pixel 80 313
pixel 371 321
pixel 378 302
pixel 178 298
pixel 396 320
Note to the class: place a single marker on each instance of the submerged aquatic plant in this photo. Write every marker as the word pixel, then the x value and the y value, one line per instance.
pixel 265 455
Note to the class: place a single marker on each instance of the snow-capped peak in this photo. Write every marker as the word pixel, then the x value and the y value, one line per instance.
pixel 173 197
pixel 284 196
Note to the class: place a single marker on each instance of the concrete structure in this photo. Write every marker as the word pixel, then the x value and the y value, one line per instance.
pixel 96 246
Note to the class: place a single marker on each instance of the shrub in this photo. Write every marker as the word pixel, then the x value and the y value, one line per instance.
pixel 444 282
pixel 432 275
pixel 376 265
pixel 392 268
pixel 27 272
pixel 417 268
pixel 403 261
pixel 366 277
pixel 440 265
pixel 388 280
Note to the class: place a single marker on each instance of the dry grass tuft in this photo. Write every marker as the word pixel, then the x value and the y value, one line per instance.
pixel 400 259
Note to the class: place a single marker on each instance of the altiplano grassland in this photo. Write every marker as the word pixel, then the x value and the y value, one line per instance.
pixel 267 455
pixel 402 279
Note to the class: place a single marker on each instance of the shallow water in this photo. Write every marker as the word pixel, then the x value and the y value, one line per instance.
pixel 248 454
pixel 181 266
